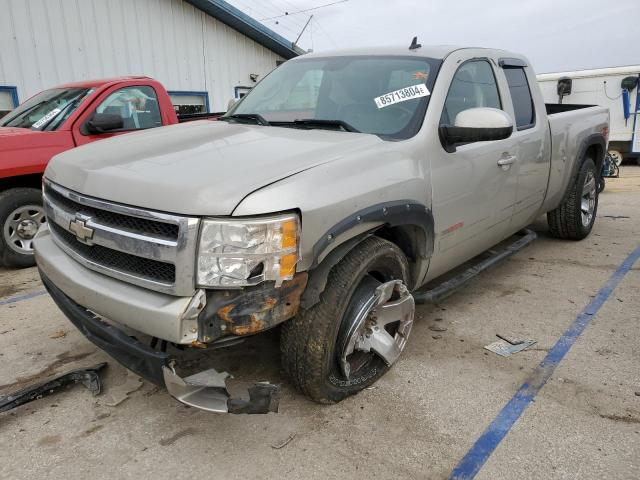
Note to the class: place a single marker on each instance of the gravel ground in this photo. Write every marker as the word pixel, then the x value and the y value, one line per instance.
pixel 417 422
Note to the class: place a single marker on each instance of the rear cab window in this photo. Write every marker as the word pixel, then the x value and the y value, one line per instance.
pixel 523 107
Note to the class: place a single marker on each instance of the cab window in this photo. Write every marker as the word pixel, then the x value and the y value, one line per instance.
pixel 473 85
pixel 521 97
pixel 137 106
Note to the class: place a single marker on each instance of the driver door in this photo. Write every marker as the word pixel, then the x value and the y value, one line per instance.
pixel 473 196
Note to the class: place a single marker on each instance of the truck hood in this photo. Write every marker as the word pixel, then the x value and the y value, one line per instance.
pixel 198 168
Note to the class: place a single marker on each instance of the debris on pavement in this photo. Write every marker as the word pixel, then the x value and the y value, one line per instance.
pixel 505 347
pixel 437 328
pixel 87 376
pixel 58 334
pixel 120 393
pixel 288 440
pixel 512 342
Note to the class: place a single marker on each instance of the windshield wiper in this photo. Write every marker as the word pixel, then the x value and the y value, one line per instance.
pixel 254 117
pixel 311 122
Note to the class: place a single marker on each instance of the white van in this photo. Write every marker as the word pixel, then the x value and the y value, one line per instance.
pixel 604 87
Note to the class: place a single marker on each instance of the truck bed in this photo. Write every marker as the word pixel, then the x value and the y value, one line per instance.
pixel 571 127
pixel 553 108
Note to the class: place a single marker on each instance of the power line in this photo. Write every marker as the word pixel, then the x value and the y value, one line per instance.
pixel 248 7
pixel 286 14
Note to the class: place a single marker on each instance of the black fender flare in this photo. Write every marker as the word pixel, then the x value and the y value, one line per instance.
pixel 389 214
pixel 593 139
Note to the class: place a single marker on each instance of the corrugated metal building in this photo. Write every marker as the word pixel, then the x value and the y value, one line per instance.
pixel 205 52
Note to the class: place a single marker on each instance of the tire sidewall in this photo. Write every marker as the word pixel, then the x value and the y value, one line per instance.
pixel 391 262
pixel 587 165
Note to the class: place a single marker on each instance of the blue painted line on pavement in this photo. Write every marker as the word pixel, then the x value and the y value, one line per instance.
pixel 482 449
pixel 20 298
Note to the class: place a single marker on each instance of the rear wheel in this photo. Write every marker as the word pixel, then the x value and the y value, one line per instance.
pixel 21 214
pixel 575 216
pixel 356 332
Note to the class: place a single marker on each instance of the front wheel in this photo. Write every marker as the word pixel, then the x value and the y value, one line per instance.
pixel 357 330
pixel 575 216
pixel 21 214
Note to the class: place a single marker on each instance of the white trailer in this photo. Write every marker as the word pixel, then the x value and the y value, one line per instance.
pixel 616 88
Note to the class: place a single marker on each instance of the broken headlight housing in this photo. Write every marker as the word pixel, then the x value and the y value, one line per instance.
pixel 247 251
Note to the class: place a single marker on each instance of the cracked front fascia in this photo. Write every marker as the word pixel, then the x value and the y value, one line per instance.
pixel 250 310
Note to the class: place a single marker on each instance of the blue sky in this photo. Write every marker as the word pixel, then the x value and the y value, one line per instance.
pixel 556 35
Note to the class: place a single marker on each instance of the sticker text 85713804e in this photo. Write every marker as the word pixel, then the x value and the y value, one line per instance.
pixel 402 95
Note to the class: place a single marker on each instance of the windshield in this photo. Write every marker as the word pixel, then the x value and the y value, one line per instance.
pixel 46 110
pixel 383 95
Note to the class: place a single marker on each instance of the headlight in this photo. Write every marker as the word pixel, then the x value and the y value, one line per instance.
pixel 241 252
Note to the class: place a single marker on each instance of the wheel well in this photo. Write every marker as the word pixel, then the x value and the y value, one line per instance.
pixel 595 152
pixel 29 181
pixel 411 240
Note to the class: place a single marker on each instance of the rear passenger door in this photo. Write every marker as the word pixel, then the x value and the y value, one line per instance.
pixel 532 137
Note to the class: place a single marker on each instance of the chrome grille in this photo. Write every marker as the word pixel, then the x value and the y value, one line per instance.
pixel 142 267
pixel 147 248
pixel 132 224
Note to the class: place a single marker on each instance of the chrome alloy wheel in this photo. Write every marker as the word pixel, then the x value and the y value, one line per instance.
pixel 588 199
pixel 21 227
pixel 381 327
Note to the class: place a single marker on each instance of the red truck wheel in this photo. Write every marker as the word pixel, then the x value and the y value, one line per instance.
pixel 21 214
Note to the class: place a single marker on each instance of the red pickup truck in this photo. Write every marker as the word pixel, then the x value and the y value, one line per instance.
pixel 59 119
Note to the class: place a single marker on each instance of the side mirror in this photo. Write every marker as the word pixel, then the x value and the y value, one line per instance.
pixel 476 125
pixel 104 123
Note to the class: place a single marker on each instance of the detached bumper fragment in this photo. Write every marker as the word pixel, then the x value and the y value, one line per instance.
pixel 205 390
pixel 87 376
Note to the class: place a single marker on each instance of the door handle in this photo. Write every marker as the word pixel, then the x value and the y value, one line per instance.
pixel 506 160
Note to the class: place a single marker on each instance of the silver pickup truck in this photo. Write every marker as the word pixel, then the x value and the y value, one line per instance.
pixel 338 187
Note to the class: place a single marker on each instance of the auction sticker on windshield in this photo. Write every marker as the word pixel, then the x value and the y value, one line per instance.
pixel 46 118
pixel 402 95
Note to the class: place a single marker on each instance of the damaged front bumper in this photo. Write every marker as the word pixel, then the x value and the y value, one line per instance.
pixel 205 390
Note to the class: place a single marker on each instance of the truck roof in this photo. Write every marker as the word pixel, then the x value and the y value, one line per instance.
pixel 100 82
pixel 430 51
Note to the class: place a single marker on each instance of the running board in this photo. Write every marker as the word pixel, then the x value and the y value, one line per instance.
pixel 448 287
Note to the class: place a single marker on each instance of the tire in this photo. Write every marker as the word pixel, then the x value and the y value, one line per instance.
pixel 601 185
pixel 21 214
pixel 310 341
pixel 567 221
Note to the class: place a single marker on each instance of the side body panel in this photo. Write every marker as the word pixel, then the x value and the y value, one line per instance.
pixel 473 197
pixel 532 150
pixel 334 192
pixel 25 152
pixel 571 134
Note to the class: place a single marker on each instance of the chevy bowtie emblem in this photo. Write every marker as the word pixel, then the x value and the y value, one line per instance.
pixel 79 228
